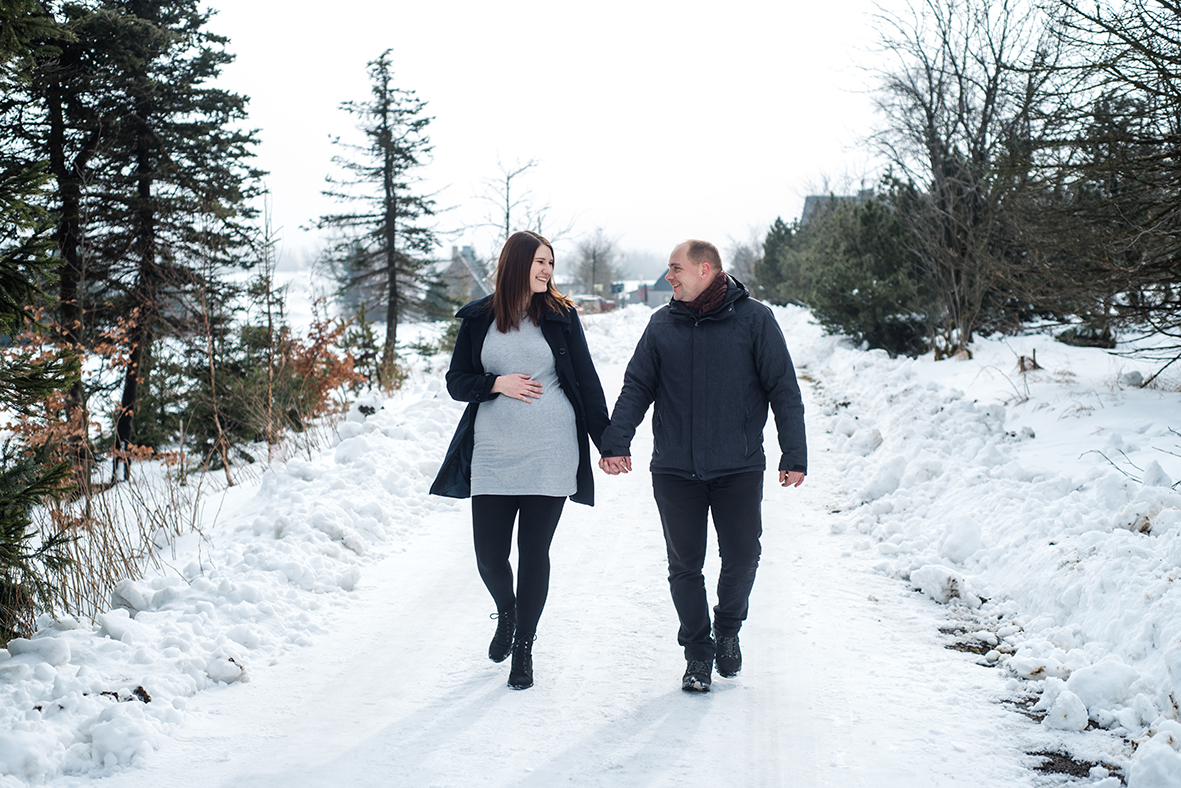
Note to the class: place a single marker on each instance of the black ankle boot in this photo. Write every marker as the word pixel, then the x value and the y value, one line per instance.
pixel 502 641
pixel 728 656
pixel 520 676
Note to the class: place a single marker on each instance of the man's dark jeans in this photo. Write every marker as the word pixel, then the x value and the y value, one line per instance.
pixel 684 504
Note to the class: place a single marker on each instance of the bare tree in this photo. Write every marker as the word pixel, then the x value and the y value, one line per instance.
pixel 743 254
pixel 957 104
pixel 512 206
pixel 509 197
pixel 1111 151
pixel 597 257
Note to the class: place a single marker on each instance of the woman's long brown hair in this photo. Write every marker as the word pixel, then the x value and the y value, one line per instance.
pixel 512 283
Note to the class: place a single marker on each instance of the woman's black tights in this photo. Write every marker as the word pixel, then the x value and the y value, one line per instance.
pixel 492 526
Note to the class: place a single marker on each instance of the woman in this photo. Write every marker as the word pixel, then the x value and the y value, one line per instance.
pixel 521 447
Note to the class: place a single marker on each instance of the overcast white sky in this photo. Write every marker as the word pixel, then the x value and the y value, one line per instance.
pixel 655 121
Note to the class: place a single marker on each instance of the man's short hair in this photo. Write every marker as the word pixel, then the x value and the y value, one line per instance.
pixel 701 252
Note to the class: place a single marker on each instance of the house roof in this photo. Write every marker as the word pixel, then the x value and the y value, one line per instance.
pixel 815 203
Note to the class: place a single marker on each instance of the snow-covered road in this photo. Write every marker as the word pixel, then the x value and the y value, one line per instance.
pixel 329 628
pixel 845 682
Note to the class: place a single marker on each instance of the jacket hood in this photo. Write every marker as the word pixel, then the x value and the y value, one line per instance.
pixel 734 291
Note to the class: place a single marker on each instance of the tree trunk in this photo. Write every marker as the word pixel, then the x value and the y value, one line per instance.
pixel 71 276
pixel 391 322
pixel 144 295
pixel 391 262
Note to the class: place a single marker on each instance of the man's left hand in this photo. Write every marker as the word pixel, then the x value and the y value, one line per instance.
pixel 791 478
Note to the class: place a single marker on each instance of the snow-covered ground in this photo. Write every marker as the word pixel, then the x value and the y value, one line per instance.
pixel 329 628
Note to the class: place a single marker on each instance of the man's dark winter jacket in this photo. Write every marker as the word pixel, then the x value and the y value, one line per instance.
pixel 468 382
pixel 711 377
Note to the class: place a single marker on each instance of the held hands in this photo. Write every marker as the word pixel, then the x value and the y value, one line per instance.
pixel 791 478
pixel 615 465
pixel 517 386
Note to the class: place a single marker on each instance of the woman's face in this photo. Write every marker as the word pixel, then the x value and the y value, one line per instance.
pixel 541 270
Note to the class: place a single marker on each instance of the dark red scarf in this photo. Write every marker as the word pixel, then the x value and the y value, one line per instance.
pixel 711 297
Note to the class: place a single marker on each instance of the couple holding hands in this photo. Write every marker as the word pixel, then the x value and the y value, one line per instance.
pixel 711 362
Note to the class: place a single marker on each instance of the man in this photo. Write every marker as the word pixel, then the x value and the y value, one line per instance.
pixel 711 361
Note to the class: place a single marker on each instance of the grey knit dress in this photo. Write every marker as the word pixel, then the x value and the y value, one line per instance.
pixel 524 448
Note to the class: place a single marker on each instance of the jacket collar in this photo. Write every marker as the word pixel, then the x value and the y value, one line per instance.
pixel 557 317
pixel 735 291
pixel 475 308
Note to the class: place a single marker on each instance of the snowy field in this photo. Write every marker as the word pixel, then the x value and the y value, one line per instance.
pixel 980 566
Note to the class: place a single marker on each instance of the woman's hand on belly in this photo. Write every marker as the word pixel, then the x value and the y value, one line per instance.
pixel 517 386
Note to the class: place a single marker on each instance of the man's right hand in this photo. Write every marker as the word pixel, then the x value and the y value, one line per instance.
pixel 615 465
pixel 791 478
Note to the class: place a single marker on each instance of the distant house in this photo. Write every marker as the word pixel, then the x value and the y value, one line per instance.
pixel 815 203
pixel 462 276
pixel 656 294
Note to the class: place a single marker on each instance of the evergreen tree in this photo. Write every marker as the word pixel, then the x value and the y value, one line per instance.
pixel 151 183
pixel 867 281
pixel 778 275
pixel 28 476
pixel 778 237
pixel 67 106
pixel 854 264
pixel 383 241
pixel 29 560
pixel 360 342
pixel 68 151
pixel 173 176
pixel 356 286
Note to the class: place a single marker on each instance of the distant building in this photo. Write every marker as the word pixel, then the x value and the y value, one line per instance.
pixel 564 281
pixel 462 276
pixel 654 295
pixel 592 304
pixel 815 203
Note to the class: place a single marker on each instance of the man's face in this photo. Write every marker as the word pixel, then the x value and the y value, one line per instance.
pixel 687 278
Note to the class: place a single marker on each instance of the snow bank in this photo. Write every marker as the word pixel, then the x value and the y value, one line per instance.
pixel 1044 499
pixel 82 698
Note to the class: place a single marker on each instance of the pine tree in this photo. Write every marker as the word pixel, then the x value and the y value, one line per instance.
pixel 151 183
pixel 866 283
pixel 66 105
pixel 778 237
pixel 360 342
pixel 174 177
pixel 384 240
pixel 28 476
pixel 777 275
pixel 28 559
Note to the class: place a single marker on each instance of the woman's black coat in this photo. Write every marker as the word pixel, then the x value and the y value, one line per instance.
pixel 468 382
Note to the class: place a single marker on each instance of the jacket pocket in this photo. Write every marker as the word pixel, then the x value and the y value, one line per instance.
pixel 752 438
